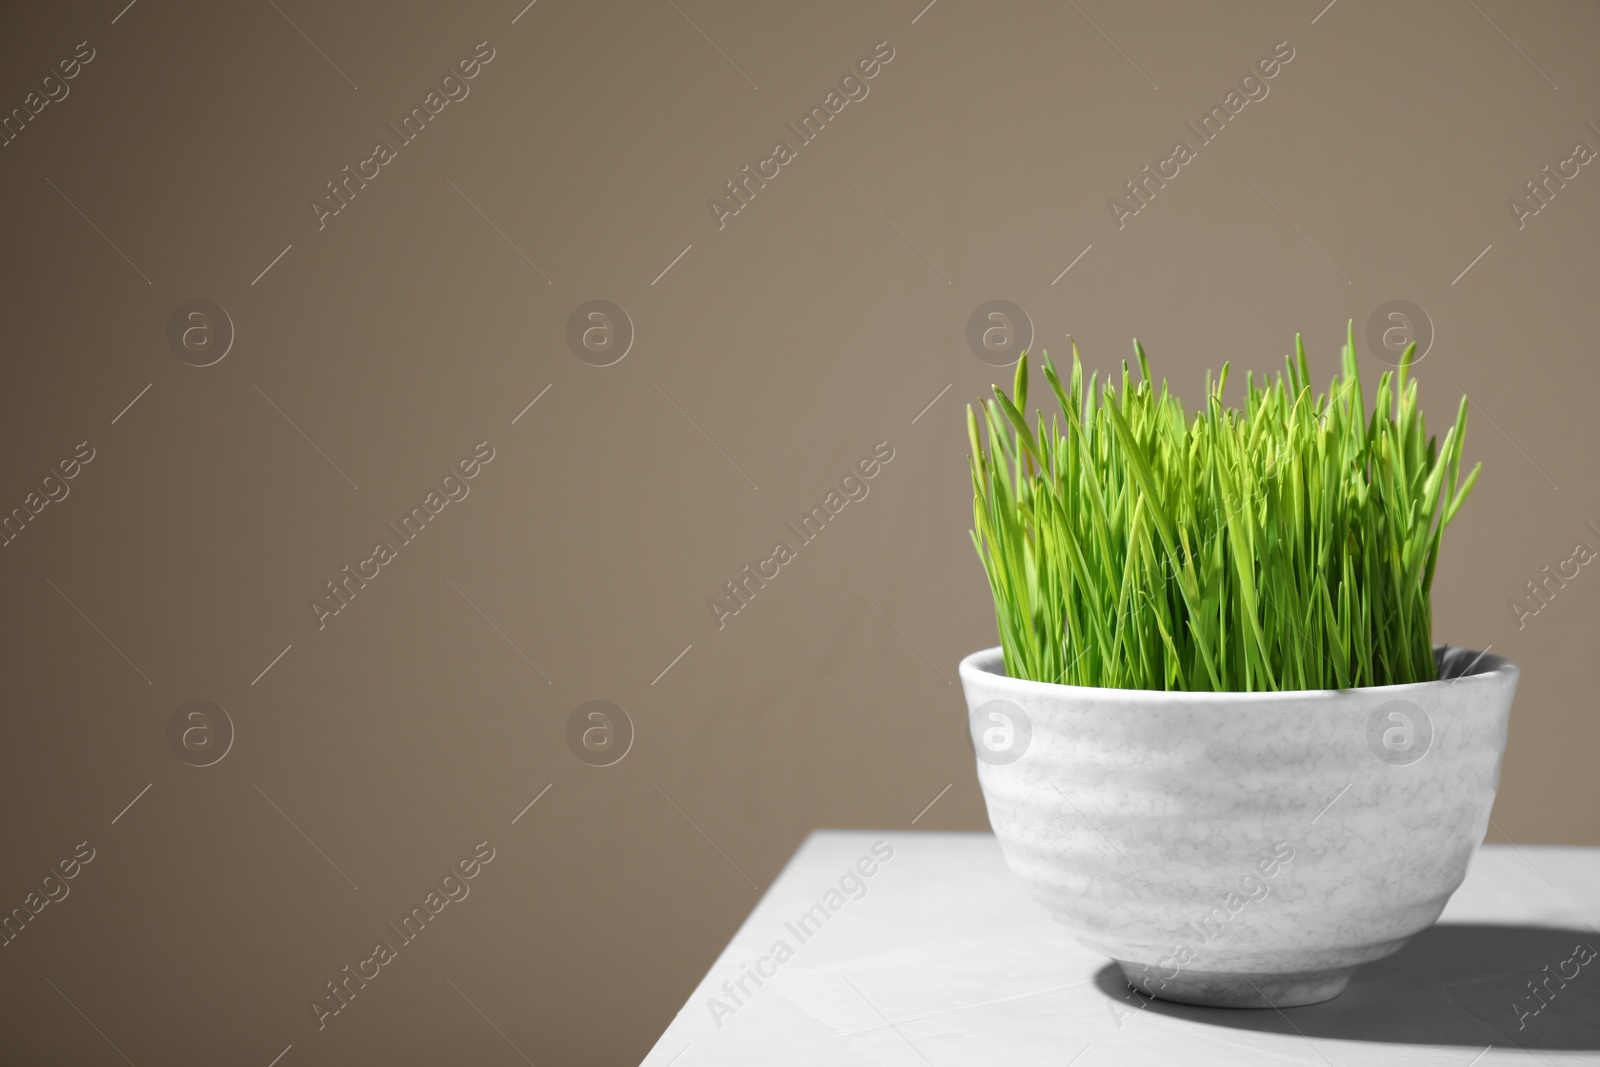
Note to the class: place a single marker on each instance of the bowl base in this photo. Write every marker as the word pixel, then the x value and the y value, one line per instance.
pixel 1217 989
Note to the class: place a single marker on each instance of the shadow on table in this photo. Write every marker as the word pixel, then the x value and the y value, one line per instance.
pixel 1451 985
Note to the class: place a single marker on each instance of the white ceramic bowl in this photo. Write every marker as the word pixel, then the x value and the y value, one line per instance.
pixel 1242 849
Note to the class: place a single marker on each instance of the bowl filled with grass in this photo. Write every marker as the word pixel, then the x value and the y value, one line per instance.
pixel 1217 739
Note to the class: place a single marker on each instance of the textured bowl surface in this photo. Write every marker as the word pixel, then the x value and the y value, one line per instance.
pixel 1241 849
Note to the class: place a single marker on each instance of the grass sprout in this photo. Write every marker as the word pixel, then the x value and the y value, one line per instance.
pixel 1288 544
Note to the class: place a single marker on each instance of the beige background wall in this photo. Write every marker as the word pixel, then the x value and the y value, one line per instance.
pixel 379 349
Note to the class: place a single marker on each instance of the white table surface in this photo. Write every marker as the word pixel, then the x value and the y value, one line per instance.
pixel 945 960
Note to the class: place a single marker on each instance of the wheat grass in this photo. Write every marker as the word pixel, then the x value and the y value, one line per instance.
pixel 1287 544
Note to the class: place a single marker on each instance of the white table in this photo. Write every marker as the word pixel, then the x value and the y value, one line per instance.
pixel 945 960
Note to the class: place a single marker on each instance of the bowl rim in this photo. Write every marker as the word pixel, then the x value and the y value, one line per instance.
pixel 987 667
